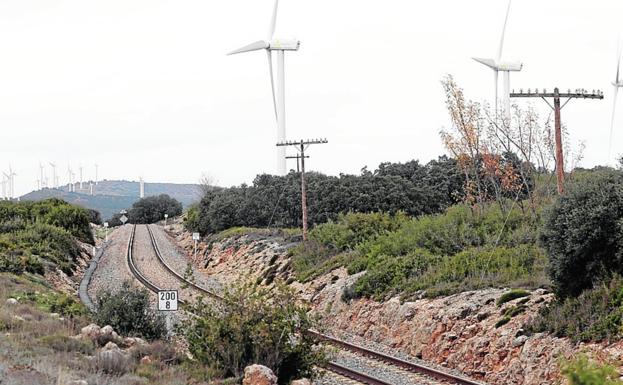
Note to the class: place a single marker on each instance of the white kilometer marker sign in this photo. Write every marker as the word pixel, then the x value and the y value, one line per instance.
pixel 167 300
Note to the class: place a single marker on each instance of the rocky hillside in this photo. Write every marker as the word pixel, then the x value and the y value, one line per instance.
pixel 111 196
pixel 469 331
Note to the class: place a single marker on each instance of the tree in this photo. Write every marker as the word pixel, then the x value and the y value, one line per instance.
pixel 152 209
pixel 583 233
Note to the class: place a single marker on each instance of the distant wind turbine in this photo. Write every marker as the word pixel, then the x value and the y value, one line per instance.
pixel 5 181
pixel 12 176
pixel 497 65
pixel 280 46
pixel 53 175
pixel 96 171
pixel 41 169
pixel 617 83
pixel 70 183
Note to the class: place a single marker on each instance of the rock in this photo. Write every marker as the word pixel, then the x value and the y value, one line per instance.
pixel 111 346
pixel 77 382
pixel 146 360
pixel 258 375
pixel 18 318
pixel 12 301
pixel 302 381
pixel 91 331
pixel 107 334
pixel 54 315
pixel 133 341
pixel 519 341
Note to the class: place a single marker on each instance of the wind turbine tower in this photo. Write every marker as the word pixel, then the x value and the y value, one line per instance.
pixel 80 168
pixel 96 172
pixel 54 179
pixel 70 180
pixel 12 176
pixel 280 46
pixel 141 192
pixel 5 188
pixel 617 83
pixel 42 171
pixel 497 65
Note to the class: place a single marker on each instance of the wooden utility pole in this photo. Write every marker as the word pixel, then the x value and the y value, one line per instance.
pixel 301 146
pixel 556 95
pixel 297 157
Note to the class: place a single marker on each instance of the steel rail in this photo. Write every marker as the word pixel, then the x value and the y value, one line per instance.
pixel 331 366
pixel 395 361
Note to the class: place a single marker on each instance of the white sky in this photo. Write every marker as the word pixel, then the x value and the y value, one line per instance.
pixel 143 87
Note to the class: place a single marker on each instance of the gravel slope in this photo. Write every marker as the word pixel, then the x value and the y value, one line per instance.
pixel 112 268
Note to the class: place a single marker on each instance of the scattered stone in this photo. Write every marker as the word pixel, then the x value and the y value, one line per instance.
pixel 258 375
pixel 91 331
pixel 12 301
pixel 131 342
pixel 111 346
pixel 54 315
pixel 519 341
pixel 146 360
pixel 18 318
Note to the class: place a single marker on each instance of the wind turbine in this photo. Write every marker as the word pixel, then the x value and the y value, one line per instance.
pixel 41 169
pixel 96 169
pixel 497 65
pixel 53 175
pixel 70 174
pixel 271 44
pixel 617 83
pixel 5 181
pixel 80 177
pixel 12 176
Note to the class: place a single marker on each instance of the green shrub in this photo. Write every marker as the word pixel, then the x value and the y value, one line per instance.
pixel 582 233
pixel 581 371
pixel 254 325
pixel 130 313
pixel 595 315
pixel 34 233
pixel 511 295
pixel 502 321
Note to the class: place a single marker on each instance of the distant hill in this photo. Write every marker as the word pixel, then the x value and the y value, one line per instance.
pixel 111 196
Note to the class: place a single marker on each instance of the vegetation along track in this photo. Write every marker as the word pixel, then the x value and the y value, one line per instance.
pixel 425 374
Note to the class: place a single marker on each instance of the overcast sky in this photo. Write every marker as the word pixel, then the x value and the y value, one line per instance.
pixel 144 87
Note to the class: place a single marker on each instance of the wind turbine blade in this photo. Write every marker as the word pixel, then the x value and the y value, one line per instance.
pixel 614 107
pixel 504 31
pixel 260 44
pixel 272 82
pixel 273 22
pixel 488 62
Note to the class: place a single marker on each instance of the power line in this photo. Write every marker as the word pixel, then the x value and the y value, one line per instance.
pixel 301 146
pixel 556 95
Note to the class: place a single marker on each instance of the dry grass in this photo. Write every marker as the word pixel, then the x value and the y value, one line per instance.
pixel 37 348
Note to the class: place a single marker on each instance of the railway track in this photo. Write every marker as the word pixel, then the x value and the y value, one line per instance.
pixel 397 364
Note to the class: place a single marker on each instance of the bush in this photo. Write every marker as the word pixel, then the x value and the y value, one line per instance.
pixel 582 233
pixel 152 209
pixel 254 325
pixel 581 371
pixel 33 233
pixel 595 315
pixel 64 343
pixel 130 313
